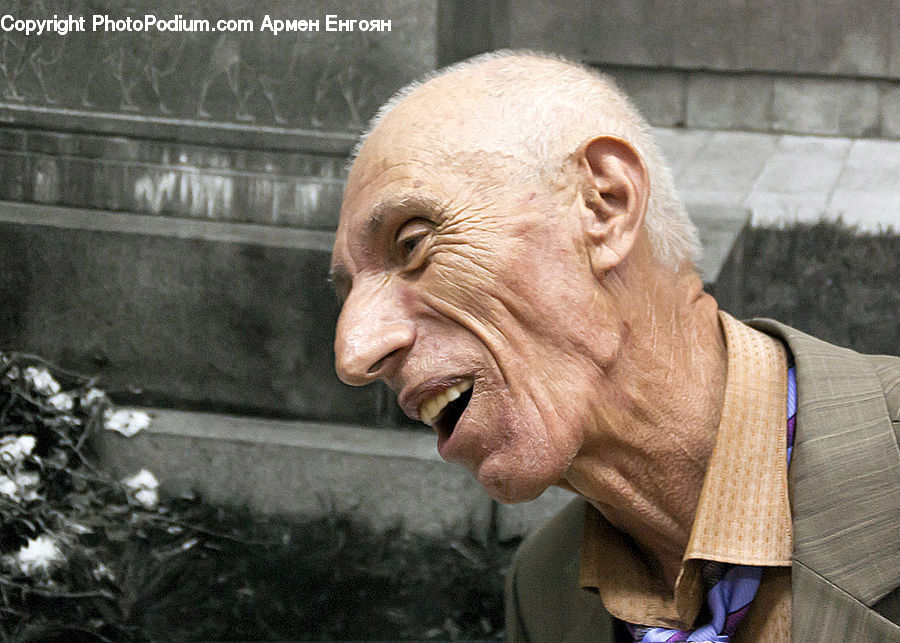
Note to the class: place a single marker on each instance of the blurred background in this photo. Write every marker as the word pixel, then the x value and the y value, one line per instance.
pixel 168 202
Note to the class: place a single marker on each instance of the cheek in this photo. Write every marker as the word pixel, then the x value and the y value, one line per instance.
pixel 468 284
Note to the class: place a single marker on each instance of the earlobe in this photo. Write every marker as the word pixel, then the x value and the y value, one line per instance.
pixel 615 192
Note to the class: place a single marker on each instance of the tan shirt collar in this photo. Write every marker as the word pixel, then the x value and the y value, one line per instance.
pixel 743 515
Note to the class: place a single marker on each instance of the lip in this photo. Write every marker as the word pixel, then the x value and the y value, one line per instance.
pixel 411 398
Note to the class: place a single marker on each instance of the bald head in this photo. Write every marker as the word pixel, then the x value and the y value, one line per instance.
pixel 517 117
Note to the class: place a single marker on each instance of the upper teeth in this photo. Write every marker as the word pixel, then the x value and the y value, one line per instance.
pixel 432 408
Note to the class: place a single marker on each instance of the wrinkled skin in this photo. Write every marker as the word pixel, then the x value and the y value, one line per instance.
pixel 583 350
pixel 486 294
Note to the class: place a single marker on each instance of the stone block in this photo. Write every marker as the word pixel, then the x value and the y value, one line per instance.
pixel 315 80
pixel 866 192
pixel 679 146
pixel 519 520
pixel 313 204
pixel 12 167
pixel 110 187
pixel 192 314
pixel 12 139
pixel 894 55
pixel 658 95
pixel 805 166
pixel 548 26
pixel 115 148
pixel 718 101
pixel 725 168
pixel 43 180
pixel 80 183
pixel 795 184
pixel 719 228
pixel 890 111
pixel 175 179
pixel 806 36
pixel 388 478
pixel 54 143
pixel 834 107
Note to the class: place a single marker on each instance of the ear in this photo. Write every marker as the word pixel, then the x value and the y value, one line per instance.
pixel 614 195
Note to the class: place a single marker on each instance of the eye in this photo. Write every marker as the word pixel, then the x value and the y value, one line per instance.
pixel 409 239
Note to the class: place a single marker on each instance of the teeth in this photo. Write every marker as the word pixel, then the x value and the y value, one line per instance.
pixel 430 409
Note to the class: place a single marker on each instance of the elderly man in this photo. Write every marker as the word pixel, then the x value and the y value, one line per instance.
pixel 517 266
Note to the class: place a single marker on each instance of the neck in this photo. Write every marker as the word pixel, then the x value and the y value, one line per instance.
pixel 644 460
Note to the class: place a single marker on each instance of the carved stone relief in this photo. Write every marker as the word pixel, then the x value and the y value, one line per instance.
pixel 329 80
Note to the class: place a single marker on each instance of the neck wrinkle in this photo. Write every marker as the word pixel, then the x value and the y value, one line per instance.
pixel 645 460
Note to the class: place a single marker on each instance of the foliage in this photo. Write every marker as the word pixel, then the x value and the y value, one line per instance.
pixel 89 558
pixel 826 279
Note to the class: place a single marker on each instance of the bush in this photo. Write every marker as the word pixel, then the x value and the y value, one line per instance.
pixel 89 558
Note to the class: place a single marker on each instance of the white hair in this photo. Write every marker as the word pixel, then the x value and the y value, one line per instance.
pixel 561 104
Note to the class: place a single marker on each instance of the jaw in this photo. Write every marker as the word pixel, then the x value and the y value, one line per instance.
pixel 513 453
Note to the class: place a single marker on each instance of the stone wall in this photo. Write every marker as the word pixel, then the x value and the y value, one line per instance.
pixel 804 67
pixel 168 200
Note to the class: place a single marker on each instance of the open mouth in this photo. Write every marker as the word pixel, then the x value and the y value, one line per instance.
pixel 443 411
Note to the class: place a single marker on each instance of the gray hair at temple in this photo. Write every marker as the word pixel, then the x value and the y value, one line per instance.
pixel 556 104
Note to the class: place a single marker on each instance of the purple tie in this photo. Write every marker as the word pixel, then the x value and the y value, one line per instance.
pixel 732 588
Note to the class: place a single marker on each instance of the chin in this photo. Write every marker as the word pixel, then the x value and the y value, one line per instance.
pixel 510 485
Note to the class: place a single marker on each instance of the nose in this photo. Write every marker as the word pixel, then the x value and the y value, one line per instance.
pixel 372 335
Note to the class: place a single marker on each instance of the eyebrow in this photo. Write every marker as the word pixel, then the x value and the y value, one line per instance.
pixel 411 203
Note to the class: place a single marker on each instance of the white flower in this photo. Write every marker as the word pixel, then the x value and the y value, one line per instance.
pixel 143 479
pixel 147 498
pixel 14 449
pixel 21 488
pixel 125 422
pixel 62 402
pixel 93 396
pixel 41 380
pixel 9 488
pixel 102 572
pixel 80 529
pixel 28 483
pixel 143 488
pixel 40 556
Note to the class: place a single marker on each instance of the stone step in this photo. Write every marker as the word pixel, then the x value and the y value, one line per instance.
pixel 386 477
pixel 191 314
pixel 785 179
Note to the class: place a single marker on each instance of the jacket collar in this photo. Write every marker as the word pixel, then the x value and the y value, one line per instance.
pixel 845 469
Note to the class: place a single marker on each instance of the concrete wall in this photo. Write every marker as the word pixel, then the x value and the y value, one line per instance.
pixel 857 38
pixel 804 67
pixel 113 143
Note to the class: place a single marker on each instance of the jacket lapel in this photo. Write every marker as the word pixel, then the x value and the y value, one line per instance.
pixel 844 480
pixel 823 612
